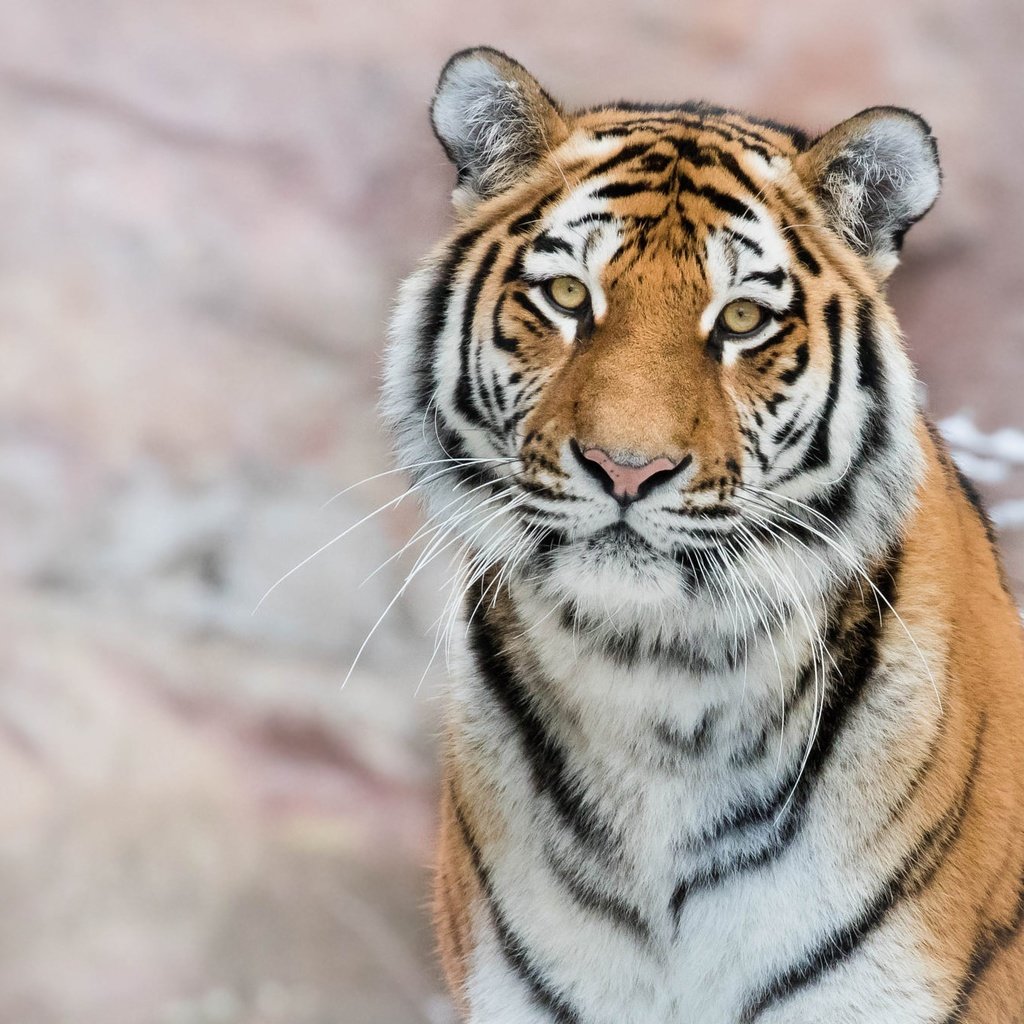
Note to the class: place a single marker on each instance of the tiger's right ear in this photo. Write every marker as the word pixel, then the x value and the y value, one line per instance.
pixel 494 121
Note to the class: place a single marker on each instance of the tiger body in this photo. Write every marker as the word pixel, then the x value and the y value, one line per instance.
pixel 738 742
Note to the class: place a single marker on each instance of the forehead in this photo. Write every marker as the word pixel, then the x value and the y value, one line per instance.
pixel 673 182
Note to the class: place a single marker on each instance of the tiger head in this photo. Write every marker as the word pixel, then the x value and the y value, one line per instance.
pixel 658 340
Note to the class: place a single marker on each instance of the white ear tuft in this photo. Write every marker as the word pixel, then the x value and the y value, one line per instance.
pixel 493 119
pixel 875 175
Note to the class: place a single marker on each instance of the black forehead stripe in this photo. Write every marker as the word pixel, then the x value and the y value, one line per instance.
pixel 601 217
pixel 550 243
pixel 659 126
pixel 514 270
pixel 622 189
pixel 592 237
pixel 655 163
pixel 800 251
pixel 798 303
pixel 525 221
pixel 745 241
pixel 730 164
pixel 623 156
pixel 706 155
pixel 726 203
pixel 773 278
pixel 693 115
pixel 690 150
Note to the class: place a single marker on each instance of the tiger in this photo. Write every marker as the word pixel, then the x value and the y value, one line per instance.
pixel 732 728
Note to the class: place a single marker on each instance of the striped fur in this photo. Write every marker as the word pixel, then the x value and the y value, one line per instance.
pixel 746 749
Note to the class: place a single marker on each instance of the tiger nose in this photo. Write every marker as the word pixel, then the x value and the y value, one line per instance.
pixel 625 481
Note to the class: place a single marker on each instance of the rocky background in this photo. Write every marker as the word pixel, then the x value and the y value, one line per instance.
pixel 205 206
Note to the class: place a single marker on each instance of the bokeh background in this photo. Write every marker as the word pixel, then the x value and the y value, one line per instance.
pixel 205 206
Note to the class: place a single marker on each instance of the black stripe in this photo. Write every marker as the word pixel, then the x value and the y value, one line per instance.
pixel 524 300
pixel 435 313
pixel 595 900
pixel 730 133
pixel 730 164
pixel 770 342
pixel 599 217
pixel 688 149
pixel 783 433
pixel 500 338
pixel 802 253
pixel 797 307
pixel 656 163
pixel 697 742
pixel 992 941
pixel 747 243
pixel 726 203
pixel 624 155
pixel 802 357
pixel 818 453
pixel 527 220
pixel 857 647
pixel 774 278
pixel 912 875
pixel 869 364
pixel 621 189
pixel 514 270
pixel 512 946
pixel 549 243
pixel 756 748
pixel 757 810
pixel 464 397
pixel 544 755
pixel 753 447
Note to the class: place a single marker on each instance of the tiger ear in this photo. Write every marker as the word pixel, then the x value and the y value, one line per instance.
pixel 875 175
pixel 494 121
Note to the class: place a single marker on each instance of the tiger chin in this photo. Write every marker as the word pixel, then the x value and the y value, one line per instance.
pixel 734 731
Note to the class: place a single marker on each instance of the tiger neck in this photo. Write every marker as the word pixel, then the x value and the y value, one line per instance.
pixel 636 701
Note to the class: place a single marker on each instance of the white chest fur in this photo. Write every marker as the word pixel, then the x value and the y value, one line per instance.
pixel 655 867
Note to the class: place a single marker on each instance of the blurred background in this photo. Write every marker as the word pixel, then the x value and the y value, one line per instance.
pixel 205 207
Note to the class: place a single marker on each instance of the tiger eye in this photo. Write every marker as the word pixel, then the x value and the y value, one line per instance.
pixel 741 316
pixel 568 292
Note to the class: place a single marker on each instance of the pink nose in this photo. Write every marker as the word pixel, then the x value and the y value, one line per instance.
pixel 626 481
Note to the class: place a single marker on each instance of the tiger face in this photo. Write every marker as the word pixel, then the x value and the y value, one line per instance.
pixel 654 332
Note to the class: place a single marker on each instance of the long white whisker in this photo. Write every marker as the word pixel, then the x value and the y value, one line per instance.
pixel 857 568
pixel 458 464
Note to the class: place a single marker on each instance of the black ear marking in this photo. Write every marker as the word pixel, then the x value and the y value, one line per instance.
pixel 493 119
pixel 874 175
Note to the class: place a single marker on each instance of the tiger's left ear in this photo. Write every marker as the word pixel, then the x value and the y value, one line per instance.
pixel 494 121
pixel 875 175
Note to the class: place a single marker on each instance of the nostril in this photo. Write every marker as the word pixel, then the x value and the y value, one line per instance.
pixel 626 481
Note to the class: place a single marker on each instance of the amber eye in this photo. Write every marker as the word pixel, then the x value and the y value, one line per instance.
pixel 567 292
pixel 741 316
